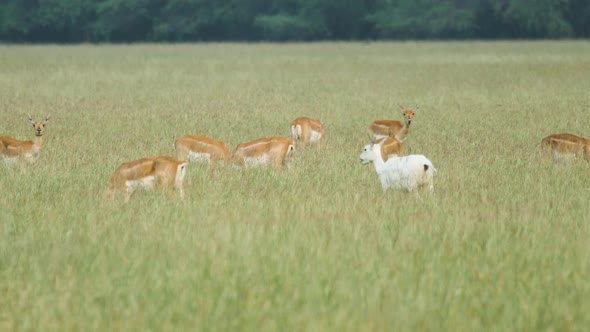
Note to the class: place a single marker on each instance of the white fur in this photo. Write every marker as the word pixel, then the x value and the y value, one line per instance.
pixel 257 161
pixel 179 181
pixel 315 136
pixel 199 157
pixel 147 182
pixel 296 132
pixel 405 173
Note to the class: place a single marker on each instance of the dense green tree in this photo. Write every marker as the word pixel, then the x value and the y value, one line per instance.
pixel 285 20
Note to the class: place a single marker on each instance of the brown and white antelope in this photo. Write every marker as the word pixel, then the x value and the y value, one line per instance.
pixel 198 148
pixel 307 130
pixel 13 151
pixel 264 151
pixel 392 128
pixel 565 146
pixel 164 172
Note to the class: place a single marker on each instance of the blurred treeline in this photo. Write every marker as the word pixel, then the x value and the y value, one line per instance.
pixel 72 21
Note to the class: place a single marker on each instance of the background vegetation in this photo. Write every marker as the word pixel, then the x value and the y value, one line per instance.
pixel 502 246
pixel 72 21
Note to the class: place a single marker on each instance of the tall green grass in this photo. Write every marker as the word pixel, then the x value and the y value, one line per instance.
pixel 503 245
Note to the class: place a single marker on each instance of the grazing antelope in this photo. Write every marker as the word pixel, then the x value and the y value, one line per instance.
pixel 147 173
pixel 265 151
pixel 307 130
pixel 13 150
pixel 392 128
pixel 564 146
pixel 200 148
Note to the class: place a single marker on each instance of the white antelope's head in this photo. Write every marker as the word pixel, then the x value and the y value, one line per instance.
pixel 371 151
pixel 408 114
pixel 39 126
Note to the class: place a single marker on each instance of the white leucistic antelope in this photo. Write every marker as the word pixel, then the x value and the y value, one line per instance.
pixel 198 148
pixel 407 173
pixel 164 172
pixel 13 151
pixel 264 151
pixel 566 146
pixel 307 130
pixel 392 128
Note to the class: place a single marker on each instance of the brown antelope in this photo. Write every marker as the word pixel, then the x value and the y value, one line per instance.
pixel 265 151
pixel 563 146
pixel 146 173
pixel 391 148
pixel 198 148
pixel 307 130
pixel 13 150
pixel 392 128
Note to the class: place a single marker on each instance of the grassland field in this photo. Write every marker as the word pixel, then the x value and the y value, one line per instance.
pixel 504 245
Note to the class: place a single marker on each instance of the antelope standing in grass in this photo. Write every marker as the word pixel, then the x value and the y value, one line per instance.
pixel 198 148
pixel 147 173
pixel 13 151
pixel 407 173
pixel 565 146
pixel 264 151
pixel 307 130
pixel 392 128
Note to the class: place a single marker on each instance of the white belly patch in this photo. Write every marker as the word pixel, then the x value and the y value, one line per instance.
pixel 199 157
pixel 315 136
pixel 257 161
pixel 144 183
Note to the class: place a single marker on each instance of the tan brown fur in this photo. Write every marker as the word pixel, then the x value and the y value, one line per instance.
pixel 308 126
pixel 217 150
pixel 565 145
pixel 390 148
pixel 163 169
pixel 392 128
pixel 270 151
pixel 17 150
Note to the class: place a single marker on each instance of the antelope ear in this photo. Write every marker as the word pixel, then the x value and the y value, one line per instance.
pixel 416 108
pixel 31 119
pixel 46 119
pixel 401 107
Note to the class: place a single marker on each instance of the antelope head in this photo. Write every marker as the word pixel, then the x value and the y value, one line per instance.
pixel 39 126
pixel 408 114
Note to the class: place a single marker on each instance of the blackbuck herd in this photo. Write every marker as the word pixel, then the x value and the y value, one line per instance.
pixel 386 152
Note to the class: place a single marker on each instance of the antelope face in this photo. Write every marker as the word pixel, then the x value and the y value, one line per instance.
pixel 367 155
pixel 408 114
pixel 39 127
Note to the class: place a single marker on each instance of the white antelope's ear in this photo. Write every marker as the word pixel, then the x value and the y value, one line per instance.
pixel 31 119
pixel 46 119
pixel 416 108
